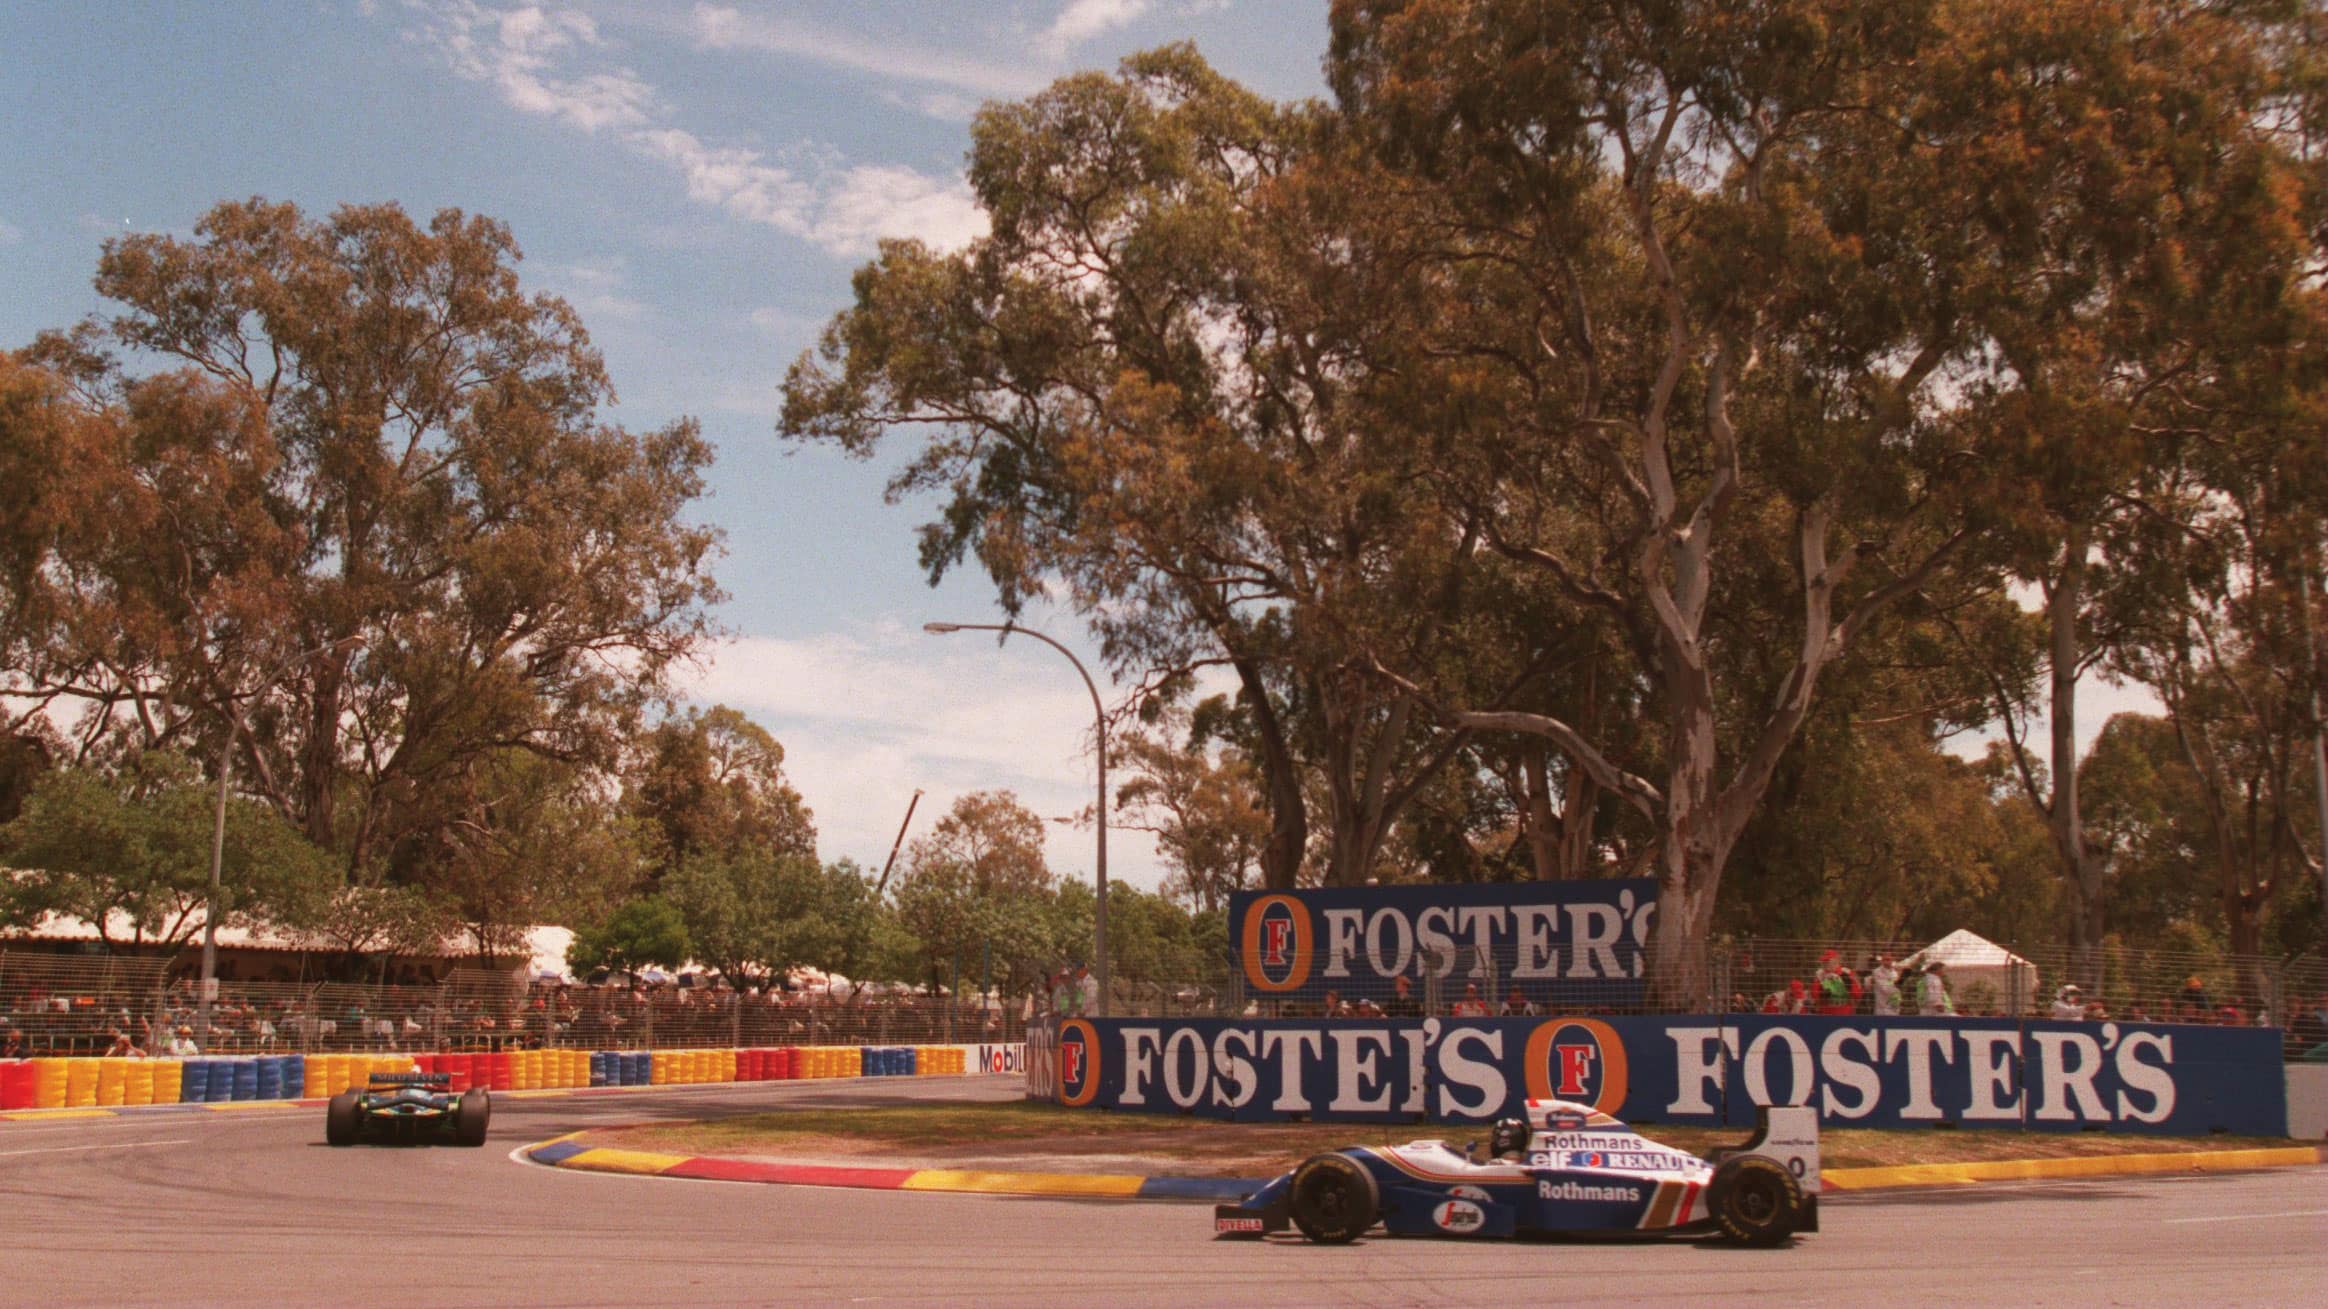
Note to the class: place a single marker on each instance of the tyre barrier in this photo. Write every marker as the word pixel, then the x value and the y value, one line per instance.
pixel 81 1082
pixel 19 1085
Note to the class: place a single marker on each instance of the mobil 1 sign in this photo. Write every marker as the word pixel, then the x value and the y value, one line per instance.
pixel 1567 943
pixel 1858 1072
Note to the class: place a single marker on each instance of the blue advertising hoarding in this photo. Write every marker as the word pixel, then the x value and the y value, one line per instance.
pixel 1858 1071
pixel 1571 944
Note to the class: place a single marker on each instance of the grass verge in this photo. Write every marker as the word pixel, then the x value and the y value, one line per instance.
pixel 1039 1137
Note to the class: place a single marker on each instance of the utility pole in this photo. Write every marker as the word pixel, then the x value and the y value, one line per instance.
pixel 1099 722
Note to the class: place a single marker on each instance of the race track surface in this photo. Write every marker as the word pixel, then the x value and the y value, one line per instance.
pixel 251 1207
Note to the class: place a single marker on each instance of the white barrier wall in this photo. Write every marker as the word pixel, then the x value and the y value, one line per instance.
pixel 997 1060
pixel 2308 1101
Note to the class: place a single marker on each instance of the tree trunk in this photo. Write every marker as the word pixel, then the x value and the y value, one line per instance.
pixel 1539 826
pixel 1281 854
pixel 2082 870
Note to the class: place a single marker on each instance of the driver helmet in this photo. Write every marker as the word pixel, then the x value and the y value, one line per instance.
pixel 1508 1138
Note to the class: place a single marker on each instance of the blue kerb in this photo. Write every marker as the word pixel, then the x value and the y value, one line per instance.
pixel 557 1152
pixel 1226 1190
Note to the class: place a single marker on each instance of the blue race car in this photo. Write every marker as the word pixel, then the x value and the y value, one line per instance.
pixel 405 1107
pixel 1564 1168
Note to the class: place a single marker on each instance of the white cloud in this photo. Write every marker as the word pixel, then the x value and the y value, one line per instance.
pixel 718 27
pixel 871 200
pixel 784 324
pixel 516 51
pixel 867 716
pixel 1082 20
pixel 538 60
pixel 597 287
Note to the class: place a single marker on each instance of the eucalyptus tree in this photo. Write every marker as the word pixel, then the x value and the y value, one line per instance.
pixel 1148 388
pixel 1761 282
pixel 356 434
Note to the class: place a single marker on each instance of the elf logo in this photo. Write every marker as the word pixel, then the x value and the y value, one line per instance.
pixel 1078 1063
pixel 1278 946
pixel 1578 1059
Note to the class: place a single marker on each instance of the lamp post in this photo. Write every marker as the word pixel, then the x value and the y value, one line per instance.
pixel 1099 722
pixel 234 726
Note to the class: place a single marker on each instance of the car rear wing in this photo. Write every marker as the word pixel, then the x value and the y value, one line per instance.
pixel 412 1079
pixel 1786 1133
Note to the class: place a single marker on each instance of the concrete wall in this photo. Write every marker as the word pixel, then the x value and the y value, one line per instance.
pixel 2308 1101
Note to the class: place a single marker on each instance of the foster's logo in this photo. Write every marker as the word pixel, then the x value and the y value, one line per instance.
pixel 1579 1059
pixel 1278 946
pixel 1078 1063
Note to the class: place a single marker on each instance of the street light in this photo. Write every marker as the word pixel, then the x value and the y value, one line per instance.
pixel 1099 720
pixel 234 729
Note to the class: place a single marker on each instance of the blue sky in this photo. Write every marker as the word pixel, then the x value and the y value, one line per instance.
pixel 699 180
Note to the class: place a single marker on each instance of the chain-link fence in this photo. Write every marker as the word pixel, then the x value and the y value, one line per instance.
pixel 81 1005
pixel 1960 976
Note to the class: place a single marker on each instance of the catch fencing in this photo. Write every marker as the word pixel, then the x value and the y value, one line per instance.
pixel 2116 982
pixel 73 1004
pixel 68 1005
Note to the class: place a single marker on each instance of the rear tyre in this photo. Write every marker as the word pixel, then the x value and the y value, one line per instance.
pixel 1755 1200
pixel 1333 1198
pixel 343 1122
pixel 470 1117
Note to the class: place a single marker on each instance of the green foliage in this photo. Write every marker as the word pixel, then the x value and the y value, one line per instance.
pixel 648 930
pixel 712 782
pixel 756 914
pixel 138 842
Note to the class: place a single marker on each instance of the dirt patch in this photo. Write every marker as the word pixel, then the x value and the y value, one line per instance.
pixel 1026 1137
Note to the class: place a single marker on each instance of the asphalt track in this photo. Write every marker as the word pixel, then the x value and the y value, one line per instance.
pixel 250 1207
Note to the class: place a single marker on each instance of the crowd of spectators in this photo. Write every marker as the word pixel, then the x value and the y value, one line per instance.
pixel 128 1019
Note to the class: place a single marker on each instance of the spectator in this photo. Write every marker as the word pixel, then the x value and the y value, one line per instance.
pixel 12 1045
pixel 1333 1007
pixel 123 1047
pixel 1886 979
pixel 2194 998
pixel 181 1043
pixel 1086 990
pixel 2308 1029
pixel 1471 1005
pixel 1934 999
pixel 1516 1005
pixel 1838 988
pixel 2068 1004
pixel 1402 999
pixel 1364 1007
pixel 1787 1000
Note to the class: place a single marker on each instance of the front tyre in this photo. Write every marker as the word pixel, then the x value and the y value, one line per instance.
pixel 470 1117
pixel 1333 1198
pixel 1755 1200
pixel 342 1120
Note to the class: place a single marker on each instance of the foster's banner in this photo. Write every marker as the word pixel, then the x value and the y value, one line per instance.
pixel 1567 943
pixel 1858 1072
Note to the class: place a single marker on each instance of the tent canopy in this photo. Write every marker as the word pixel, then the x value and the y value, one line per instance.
pixel 1975 961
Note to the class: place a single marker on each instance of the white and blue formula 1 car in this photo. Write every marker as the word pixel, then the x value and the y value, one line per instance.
pixel 1565 1168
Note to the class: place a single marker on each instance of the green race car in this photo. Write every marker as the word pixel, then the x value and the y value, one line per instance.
pixel 407 1107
